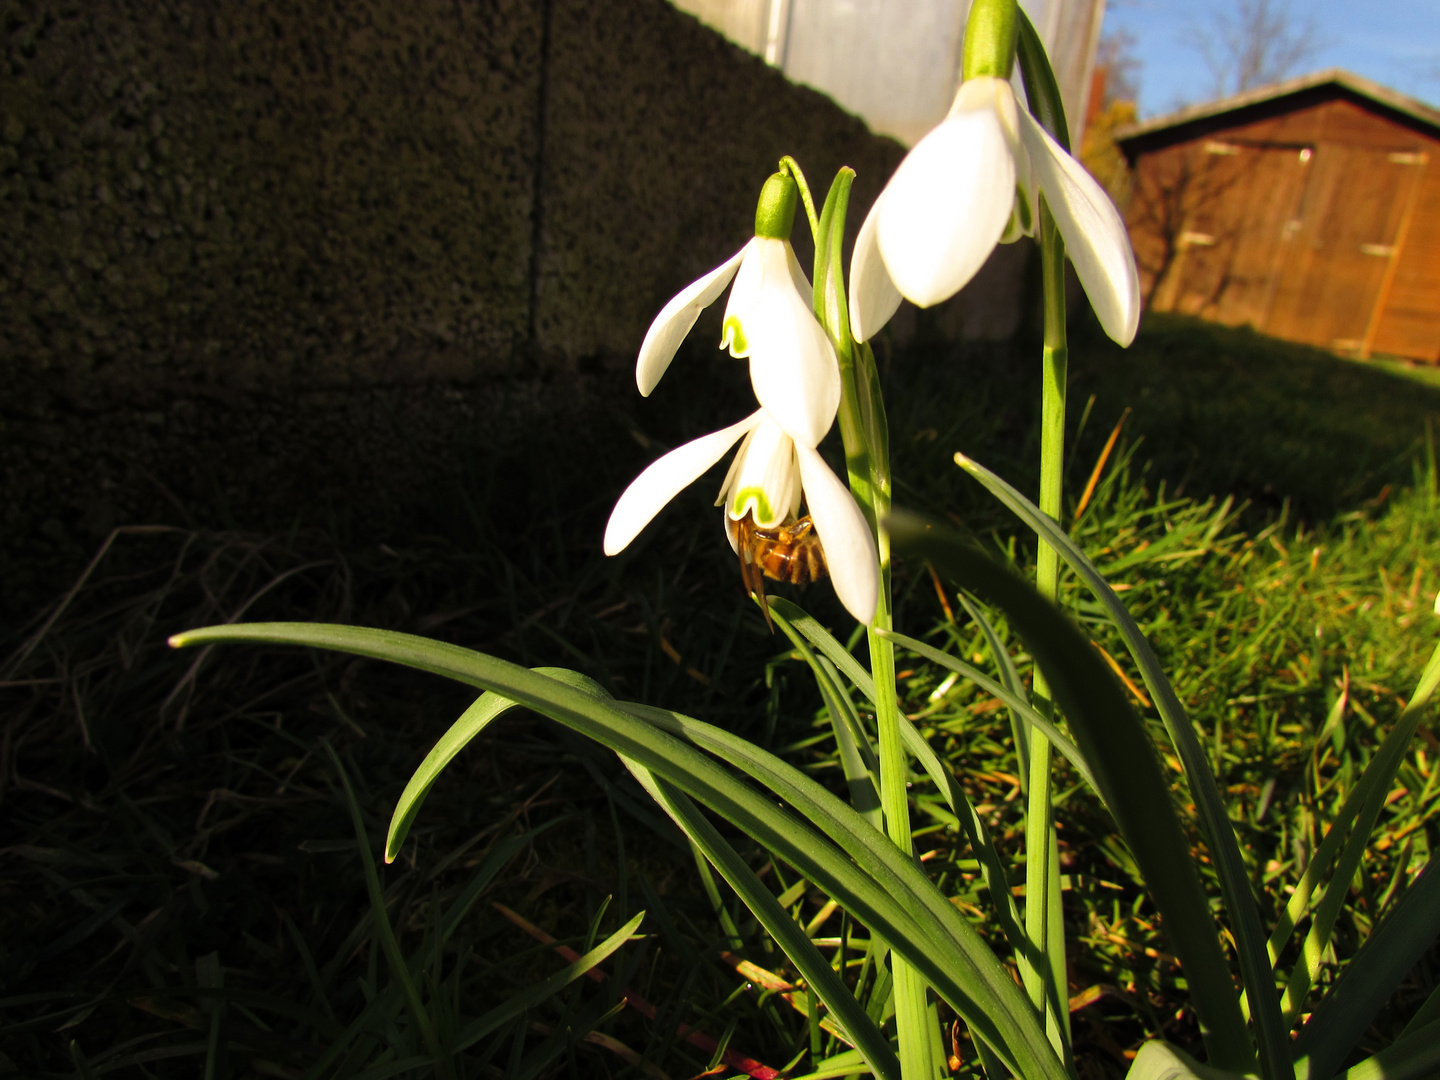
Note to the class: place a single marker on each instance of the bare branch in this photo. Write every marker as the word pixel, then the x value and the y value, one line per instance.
pixel 1254 43
pixel 1122 67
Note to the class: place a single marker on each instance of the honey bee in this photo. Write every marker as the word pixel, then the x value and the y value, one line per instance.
pixel 789 552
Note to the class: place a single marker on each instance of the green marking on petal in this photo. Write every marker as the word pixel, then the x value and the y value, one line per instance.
pixel 732 336
pixel 754 499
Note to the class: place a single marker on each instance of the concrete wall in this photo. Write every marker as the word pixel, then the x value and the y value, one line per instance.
pixel 275 253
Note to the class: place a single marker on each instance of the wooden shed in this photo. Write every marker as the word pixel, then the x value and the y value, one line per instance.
pixel 1309 210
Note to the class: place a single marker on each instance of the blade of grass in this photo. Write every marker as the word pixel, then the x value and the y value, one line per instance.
pixel 399 968
pixel 717 903
pixel 497 1017
pixel 386 1004
pixel 1010 679
pixel 209 976
pixel 1018 705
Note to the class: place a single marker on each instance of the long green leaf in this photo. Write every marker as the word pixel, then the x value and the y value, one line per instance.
pixel 857 756
pixel 1388 955
pixel 1327 912
pixel 1415 1057
pixel 1428 1011
pixel 1244 916
pixel 892 896
pixel 1114 743
pixel 1368 793
pixel 827 643
pixel 1042 91
pixel 876 857
pixel 487 708
pixel 848 1063
pixel 858 1027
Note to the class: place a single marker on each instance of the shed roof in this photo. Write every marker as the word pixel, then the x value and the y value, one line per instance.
pixel 1409 107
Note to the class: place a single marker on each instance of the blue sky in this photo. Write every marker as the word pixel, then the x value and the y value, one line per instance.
pixel 1396 43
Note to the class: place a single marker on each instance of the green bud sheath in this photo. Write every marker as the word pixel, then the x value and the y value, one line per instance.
pixel 775 213
pixel 990 39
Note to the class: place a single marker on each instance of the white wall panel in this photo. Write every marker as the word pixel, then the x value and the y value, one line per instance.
pixel 896 63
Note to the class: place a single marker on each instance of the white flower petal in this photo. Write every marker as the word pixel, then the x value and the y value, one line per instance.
pixel 845 535
pixel 675 320
pixel 769 319
pixel 1022 221
pixel 1095 236
pixel 734 469
pixel 793 369
pixel 665 479
pixel 763 481
pixel 873 296
pixel 797 274
pixel 750 285
pixel 731 535
pixel 950 200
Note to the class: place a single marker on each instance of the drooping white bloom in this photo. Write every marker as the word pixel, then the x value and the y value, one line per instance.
pixel 796 378
pixel 966 186
pixel 769 320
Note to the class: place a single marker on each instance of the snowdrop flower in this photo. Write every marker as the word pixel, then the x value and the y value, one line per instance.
pixel 796 378
pixel 971 183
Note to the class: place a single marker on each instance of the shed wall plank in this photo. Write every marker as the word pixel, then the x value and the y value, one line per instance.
pixel 1411 322
pixel 1285 219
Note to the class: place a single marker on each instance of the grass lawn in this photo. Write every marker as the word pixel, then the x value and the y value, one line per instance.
pixel 184 892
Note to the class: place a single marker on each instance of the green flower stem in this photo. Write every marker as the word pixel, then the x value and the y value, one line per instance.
pixel 790 165
pixel 865 434
pixel 911 1014
pixel 867 415
pixel 1043 923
